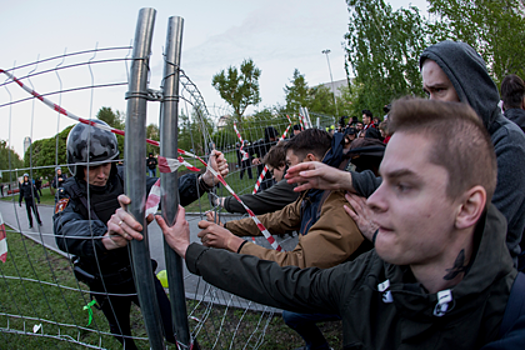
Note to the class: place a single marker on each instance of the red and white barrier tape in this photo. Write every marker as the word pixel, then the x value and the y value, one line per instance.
pixel 245 155
pixel 153 204
pixel 265 169
pixel 3 240
pixel 168 165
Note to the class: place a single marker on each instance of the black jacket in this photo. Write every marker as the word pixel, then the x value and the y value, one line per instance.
pixel 517 116
pixel 27 190
pixel 72 220
pixel 151 163
pixel 372 320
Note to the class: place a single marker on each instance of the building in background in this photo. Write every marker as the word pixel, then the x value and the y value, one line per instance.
pixel 27 144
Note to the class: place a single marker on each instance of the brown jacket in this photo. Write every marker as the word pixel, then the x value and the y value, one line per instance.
pixel 330 241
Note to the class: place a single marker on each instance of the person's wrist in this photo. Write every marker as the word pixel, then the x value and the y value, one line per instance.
pixel 182 249
pixel 208 179
pixel 346 182
pixel 203 185
pixel 234 243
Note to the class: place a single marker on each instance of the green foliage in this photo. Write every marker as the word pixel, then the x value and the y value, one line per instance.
pixel 317 99
pixel 493 27
pixel 152 133
pixel 116 119
pixel 297 93
pixel 239 88
pixel 383 48
pixel 9 159
pixel 192 133
pixel 47 152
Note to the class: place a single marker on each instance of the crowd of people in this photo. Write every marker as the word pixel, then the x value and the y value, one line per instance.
pixel 409 228
pixel 436 228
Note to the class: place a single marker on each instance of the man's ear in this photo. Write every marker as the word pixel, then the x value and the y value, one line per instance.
pixel 310 157
pixel 471 207
pixel 523 103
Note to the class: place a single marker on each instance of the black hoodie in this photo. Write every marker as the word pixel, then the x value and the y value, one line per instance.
pixel 468 73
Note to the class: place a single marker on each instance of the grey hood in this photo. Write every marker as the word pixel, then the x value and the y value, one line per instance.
pixel 467 71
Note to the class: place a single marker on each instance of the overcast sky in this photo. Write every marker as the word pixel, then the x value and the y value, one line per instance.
pixel 279 35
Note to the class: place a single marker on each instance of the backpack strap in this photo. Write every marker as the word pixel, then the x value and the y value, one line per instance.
pixel 515 305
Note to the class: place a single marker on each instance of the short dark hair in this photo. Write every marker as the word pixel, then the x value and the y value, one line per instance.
pixel 296 127
pixel 313 140
pixel 466 152
pixel 276 156
pixel 367 113
pixel 512 91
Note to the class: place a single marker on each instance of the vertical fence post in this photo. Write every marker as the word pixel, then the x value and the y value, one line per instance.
pixel 169 183
pixel 135 181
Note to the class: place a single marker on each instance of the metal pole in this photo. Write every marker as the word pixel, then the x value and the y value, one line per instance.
pixel 326 52
pixel 169 183
pixel 135 182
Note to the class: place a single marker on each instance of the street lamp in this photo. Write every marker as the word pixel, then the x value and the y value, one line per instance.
pixel 326 52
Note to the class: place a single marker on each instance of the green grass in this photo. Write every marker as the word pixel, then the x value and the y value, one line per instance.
pixel 29 260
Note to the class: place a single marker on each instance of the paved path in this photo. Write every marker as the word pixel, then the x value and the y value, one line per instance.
pixel 16 217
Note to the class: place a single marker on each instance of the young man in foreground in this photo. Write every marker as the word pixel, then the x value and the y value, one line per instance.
pixel 440 274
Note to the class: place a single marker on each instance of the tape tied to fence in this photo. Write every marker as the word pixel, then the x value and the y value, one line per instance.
pixel 90 310
pixel 245 155
pixel 3 240
pixel 153 200
pixel 170 164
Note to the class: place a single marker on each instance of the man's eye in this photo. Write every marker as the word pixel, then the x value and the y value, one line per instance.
pixel 402 188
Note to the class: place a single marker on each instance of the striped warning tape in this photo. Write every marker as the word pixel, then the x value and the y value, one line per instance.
pixel 245 155
pixel 265 169
pixel 168 165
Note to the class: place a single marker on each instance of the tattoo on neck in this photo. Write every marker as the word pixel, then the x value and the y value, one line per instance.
pixel 459 267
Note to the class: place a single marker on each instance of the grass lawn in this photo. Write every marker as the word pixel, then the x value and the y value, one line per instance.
pixel 36 302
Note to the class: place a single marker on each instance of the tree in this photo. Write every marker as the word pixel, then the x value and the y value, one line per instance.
pixel 45 152
pixel 296 93
pixel 116 119
pixel 152 133
pixel 493 27
pixel 239 89
pixel 383 48
pixel 9 160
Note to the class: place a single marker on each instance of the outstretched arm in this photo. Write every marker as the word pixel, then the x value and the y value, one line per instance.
pixel 319 175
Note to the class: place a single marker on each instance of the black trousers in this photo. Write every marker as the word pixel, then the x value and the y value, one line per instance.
pixel 30 204
pixel 246 166
pixel 116 308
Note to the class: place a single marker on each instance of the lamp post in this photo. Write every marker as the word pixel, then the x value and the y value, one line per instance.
pixel 326 52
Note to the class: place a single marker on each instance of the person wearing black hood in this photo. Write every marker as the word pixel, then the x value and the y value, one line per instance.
pixel 453 71
pixel 513 96
pixel 28 191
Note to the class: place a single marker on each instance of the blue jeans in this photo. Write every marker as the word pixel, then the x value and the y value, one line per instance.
pixel 152 172
pixel 304 324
